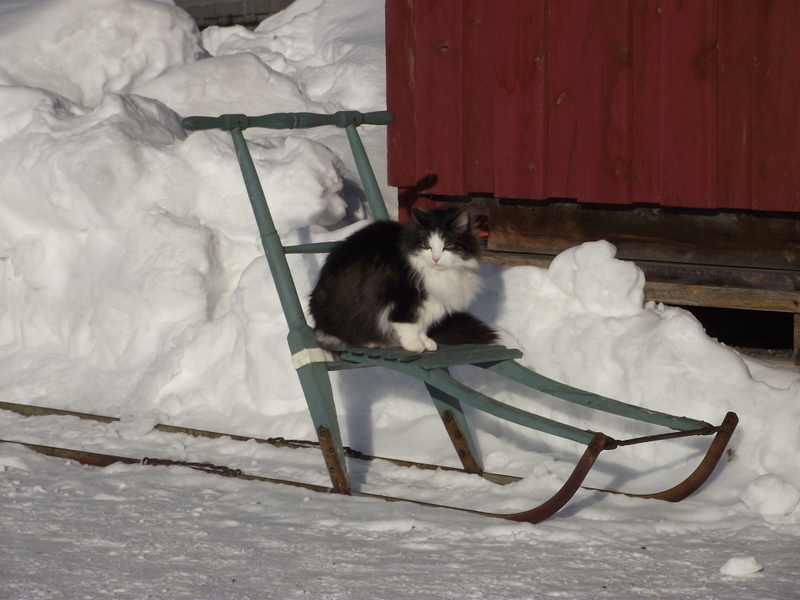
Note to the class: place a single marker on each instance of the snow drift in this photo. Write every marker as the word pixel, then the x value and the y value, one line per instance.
pixel 133 282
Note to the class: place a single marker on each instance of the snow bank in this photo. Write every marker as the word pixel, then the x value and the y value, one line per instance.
pixel 121 237
pixel 583 322
pixel 82 50
pixel 334 51
pixel 133 282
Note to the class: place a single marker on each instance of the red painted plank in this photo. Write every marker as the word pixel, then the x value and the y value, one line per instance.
pixel 400 92
pixel 645 111
pixel 479 132
pixel 603 105
pixel 568 24
pixel 438 102
pixel 519 98
pixel 776 109
pixel 689 103
pixel 738 23
pixel 589 101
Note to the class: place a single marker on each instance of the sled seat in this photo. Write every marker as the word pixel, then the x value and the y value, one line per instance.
pixel 444 356
pixel 314 364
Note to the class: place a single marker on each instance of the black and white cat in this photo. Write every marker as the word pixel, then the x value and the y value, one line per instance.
pixel 390 285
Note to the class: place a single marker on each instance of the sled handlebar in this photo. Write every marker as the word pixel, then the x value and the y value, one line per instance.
pixel 300 120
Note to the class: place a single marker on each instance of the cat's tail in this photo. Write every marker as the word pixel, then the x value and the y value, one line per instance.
pixel 462 328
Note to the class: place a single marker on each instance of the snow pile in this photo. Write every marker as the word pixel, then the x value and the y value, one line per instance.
pixel 741 566
pixel 133 282
pixel 771 495
pixel 582 322
pixel 83 51
pixel 121 238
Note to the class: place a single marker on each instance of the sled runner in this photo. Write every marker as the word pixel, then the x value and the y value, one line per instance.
pixel 313 364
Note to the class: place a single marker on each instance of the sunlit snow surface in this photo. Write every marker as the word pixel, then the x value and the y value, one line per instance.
pixel 133 285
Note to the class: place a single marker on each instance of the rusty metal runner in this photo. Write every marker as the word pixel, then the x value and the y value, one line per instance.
pixel 599 443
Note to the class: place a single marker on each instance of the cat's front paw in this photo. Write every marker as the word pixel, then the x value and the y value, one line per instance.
pixel 411 338
pixel 420 344
pixel 413 345
pixel 429 344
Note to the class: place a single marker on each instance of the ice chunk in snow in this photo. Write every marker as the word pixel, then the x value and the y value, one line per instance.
pixel 741 566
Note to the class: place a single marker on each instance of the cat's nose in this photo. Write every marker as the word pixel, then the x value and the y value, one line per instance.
pixel 436 258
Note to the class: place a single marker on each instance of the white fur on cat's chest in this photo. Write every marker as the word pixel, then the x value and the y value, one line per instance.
pixel 455 288
pixel 448 289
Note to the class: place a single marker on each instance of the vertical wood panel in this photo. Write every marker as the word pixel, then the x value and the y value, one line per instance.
pixel 400 92
pixel 439 92
pixel 645 121
pixel 479 133
pixel 568 23
pixel 603 105
pixel 776 109
pixel 589 88
pixel 738 23
pixel 519 98
pixel 689 103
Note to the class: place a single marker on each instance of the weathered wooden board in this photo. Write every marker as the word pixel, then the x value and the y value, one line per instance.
pixel 723 297
pixel 716 287
pixel 646 233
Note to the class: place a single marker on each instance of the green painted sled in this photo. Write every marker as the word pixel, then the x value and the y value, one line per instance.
pixel 313 364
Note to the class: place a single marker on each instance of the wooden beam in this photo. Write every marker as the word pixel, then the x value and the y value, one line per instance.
pixel 796 353
pixel 724 238
pixel 722 297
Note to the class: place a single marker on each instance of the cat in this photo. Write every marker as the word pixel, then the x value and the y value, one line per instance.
pixel 393 285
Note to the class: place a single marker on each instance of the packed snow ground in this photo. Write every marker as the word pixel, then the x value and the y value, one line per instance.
pixel 133 285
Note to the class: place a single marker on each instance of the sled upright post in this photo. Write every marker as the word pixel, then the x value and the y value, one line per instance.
pixel 313 364
pixel 367 175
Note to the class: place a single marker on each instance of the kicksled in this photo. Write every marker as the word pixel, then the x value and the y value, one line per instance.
pixel 314 364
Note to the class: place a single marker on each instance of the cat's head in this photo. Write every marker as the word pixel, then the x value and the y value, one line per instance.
pixel 441 239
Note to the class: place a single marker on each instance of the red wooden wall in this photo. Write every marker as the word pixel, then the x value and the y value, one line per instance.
pixel 690 103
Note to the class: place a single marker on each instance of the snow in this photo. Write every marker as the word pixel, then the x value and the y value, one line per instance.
pixel 133 285
pixel 740 566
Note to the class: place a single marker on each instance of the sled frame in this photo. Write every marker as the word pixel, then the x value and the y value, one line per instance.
pixel 314 364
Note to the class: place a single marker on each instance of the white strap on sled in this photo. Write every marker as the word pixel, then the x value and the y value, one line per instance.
pixel 306 356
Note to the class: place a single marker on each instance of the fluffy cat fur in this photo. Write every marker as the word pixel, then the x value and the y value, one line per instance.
pixel 391 285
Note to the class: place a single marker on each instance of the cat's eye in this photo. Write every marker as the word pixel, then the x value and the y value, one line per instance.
pixel 450 247
pixel 425 247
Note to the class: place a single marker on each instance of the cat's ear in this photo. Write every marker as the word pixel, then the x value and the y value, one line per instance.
pixel 461 222
pixel 419 215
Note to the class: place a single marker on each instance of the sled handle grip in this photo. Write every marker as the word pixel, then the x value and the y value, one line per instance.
pixel 300 120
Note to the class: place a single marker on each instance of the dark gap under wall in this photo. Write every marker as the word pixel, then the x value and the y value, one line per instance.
pixel 756 330
pixel 224 13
